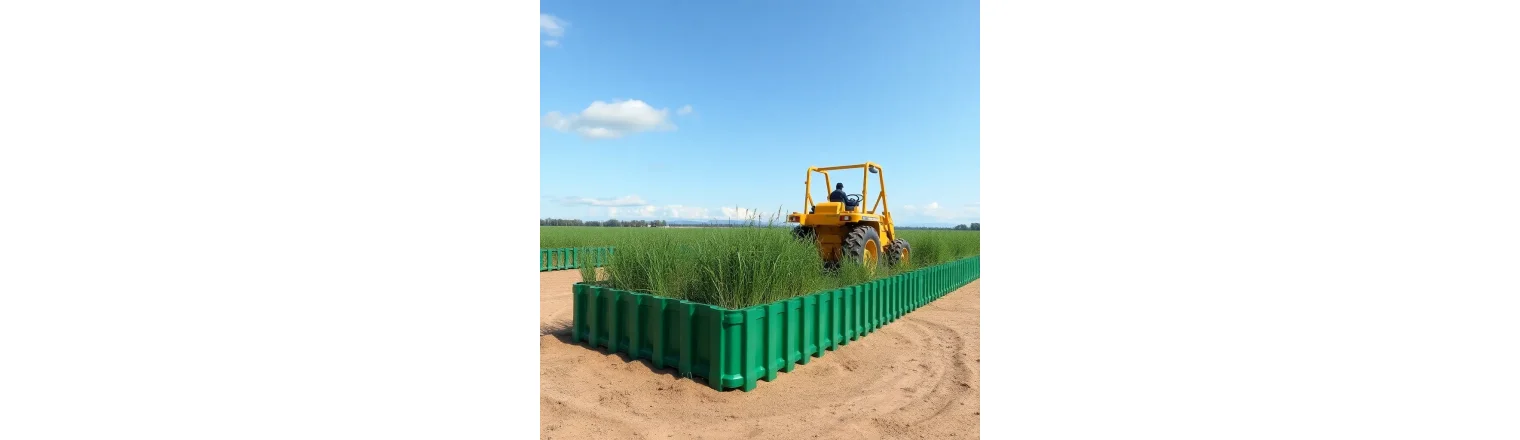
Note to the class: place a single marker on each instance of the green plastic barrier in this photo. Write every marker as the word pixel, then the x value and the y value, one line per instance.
pixel 737 348
pixel 572 258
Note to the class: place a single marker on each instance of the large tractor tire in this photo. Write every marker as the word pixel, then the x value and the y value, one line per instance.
pixel 898 253
pixel 863 245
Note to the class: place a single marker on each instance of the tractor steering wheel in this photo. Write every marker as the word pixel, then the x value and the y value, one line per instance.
pixel 853 199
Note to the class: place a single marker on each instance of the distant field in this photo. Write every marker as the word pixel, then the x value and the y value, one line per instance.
pixel 590 236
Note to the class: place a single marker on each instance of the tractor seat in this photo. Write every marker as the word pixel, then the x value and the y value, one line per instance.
pixel 826 208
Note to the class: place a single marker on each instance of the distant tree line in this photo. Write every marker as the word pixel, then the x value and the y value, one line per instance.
pixel 973 227
pixel 608 223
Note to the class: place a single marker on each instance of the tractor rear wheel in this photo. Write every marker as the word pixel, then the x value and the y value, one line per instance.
pixel 898 253
pixel 863 245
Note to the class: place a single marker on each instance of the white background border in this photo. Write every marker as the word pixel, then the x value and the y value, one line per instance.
pixel 1204 220
pixel 1288 219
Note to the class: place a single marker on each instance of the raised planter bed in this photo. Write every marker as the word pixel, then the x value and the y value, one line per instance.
pixel 737 348
pixel 572 258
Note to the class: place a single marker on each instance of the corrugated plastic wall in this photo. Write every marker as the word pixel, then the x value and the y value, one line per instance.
pixel 737 348
pixel 572 258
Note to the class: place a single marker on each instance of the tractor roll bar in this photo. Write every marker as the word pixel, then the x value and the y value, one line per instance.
pixel 868 169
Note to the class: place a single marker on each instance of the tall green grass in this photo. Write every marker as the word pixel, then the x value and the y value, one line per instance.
pixel 931 247
pixel 931 244
pixel 744 266
pixel 733 268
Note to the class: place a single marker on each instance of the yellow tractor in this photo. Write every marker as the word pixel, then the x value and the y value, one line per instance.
pixel 843 228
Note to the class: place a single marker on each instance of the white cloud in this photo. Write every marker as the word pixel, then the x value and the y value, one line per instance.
pixel 652 211
pixel 686 212
pixel 739 213
pixel 634 207
pixel 604 120
pixel 631 200
pixel 685 110
pixel 632 212
pixel 551 25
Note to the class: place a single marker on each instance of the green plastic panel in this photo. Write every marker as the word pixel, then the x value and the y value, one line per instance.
pixel 737 348
pixel 572 258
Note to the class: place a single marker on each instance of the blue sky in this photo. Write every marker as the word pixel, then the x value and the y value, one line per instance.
pixel 667 110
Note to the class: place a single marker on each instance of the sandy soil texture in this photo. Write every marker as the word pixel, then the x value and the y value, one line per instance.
pixel 916 378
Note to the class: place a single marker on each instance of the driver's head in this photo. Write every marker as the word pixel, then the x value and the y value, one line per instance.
pixel 839 186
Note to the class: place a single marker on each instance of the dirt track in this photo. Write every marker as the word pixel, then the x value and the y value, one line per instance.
pixel 914 378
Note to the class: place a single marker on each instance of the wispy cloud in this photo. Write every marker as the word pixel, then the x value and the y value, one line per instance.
pixel 686 212
pixel 635 207
pixel 635 212
pixel 740 213
pixel 610 120
pixel 685 110
pixel 665 212
pixel 631 200
pixel 553 27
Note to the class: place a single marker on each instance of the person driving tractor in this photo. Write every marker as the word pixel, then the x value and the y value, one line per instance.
pixel 838 195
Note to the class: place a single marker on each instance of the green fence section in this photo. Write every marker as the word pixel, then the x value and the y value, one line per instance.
pixel 572 258
pixel 737 348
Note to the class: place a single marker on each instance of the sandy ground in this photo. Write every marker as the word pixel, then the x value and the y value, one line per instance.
pixel 916 378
